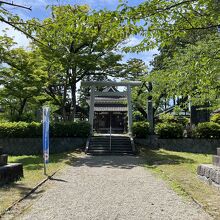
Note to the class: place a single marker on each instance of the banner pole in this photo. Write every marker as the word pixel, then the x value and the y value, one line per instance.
pixel 45 137
pixel 45 170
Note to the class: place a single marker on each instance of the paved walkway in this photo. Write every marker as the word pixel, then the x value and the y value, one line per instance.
pixel 110 187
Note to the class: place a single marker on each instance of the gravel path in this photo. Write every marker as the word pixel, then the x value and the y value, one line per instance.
pixel 110 187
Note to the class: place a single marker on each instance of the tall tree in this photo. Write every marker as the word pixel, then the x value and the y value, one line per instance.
pixel 183 30
pixel 80 43
pixel 22 79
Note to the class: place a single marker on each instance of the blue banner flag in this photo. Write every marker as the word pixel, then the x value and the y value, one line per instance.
pixel 46 122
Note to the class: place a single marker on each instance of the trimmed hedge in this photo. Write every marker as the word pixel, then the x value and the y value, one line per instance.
pixel 70 129
pixel 20 129
pixel 169 130
pixel 140 129
pixel 34 129
pixel 207 130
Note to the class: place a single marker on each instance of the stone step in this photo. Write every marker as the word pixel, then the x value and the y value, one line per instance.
pixel 108 139
pixel 104 152
pixel 107 145
pixel 216 160
pixel 113 138
pixel 112 149
pixel 218 151
pixel 101 145
pixel 3 159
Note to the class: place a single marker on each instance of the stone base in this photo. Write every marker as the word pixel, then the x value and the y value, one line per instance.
pixel 211 172
pixel 3 159
pixel 216 160
pixel 11 172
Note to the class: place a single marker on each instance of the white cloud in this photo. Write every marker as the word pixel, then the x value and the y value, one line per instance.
pixel 132 41
pixel 146 56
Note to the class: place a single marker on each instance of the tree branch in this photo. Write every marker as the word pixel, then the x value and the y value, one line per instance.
pixel 22 31
pixel 15 5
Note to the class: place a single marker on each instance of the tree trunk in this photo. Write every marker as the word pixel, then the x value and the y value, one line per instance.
pixel 150 111
pixel 73 100
pixel 21 109
pixel 64 115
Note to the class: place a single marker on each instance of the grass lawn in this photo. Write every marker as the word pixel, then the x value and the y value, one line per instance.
pixel 33 174
pixel 179 170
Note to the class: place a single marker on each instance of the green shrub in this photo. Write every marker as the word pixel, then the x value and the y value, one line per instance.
pixel 137 116
pixel 34 129
pixel 140 129
pixel 70 129
pixel 215 118
pixel 169 130
pixel 207 130
pixel 83 130
pixel 20 129
pixel 166 117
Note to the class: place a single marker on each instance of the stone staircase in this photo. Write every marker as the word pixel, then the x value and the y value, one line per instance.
pixel 116 145
pixel 9 172
pixel 211 172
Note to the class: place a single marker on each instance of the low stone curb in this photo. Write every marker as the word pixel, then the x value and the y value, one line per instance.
pixel 29 193
pixel 210 172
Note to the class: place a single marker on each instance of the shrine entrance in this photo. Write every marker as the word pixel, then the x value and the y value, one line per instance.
pixel 110 110
pixel 114 122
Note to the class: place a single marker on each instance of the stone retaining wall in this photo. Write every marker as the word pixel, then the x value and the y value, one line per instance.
pixel 208 146
pixel 33 146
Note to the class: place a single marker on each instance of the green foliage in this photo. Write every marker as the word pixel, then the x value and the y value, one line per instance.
pixel 215 118
pixel 137 116
pixel 166 118
pixel 207 130
pixel 185 34
pixel 20 129
pixel 34 129
pixel 169 130
pixel 23 81
pixel 191 69
pixel 70 129
pixel 140 129
pixel 166 21
pixel 74 43
pixel 82 44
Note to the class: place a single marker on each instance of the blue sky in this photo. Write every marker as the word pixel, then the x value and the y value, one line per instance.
pixel 39 11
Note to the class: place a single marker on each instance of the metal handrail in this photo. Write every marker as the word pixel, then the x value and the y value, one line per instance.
pixel 110 128
pixel 87 144
pixel 110 144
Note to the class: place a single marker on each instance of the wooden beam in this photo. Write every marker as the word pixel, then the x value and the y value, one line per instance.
pixel 111 83
pixel 116 94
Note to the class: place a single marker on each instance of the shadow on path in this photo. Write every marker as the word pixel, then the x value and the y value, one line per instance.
pixel 120 162
pixel 149 157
